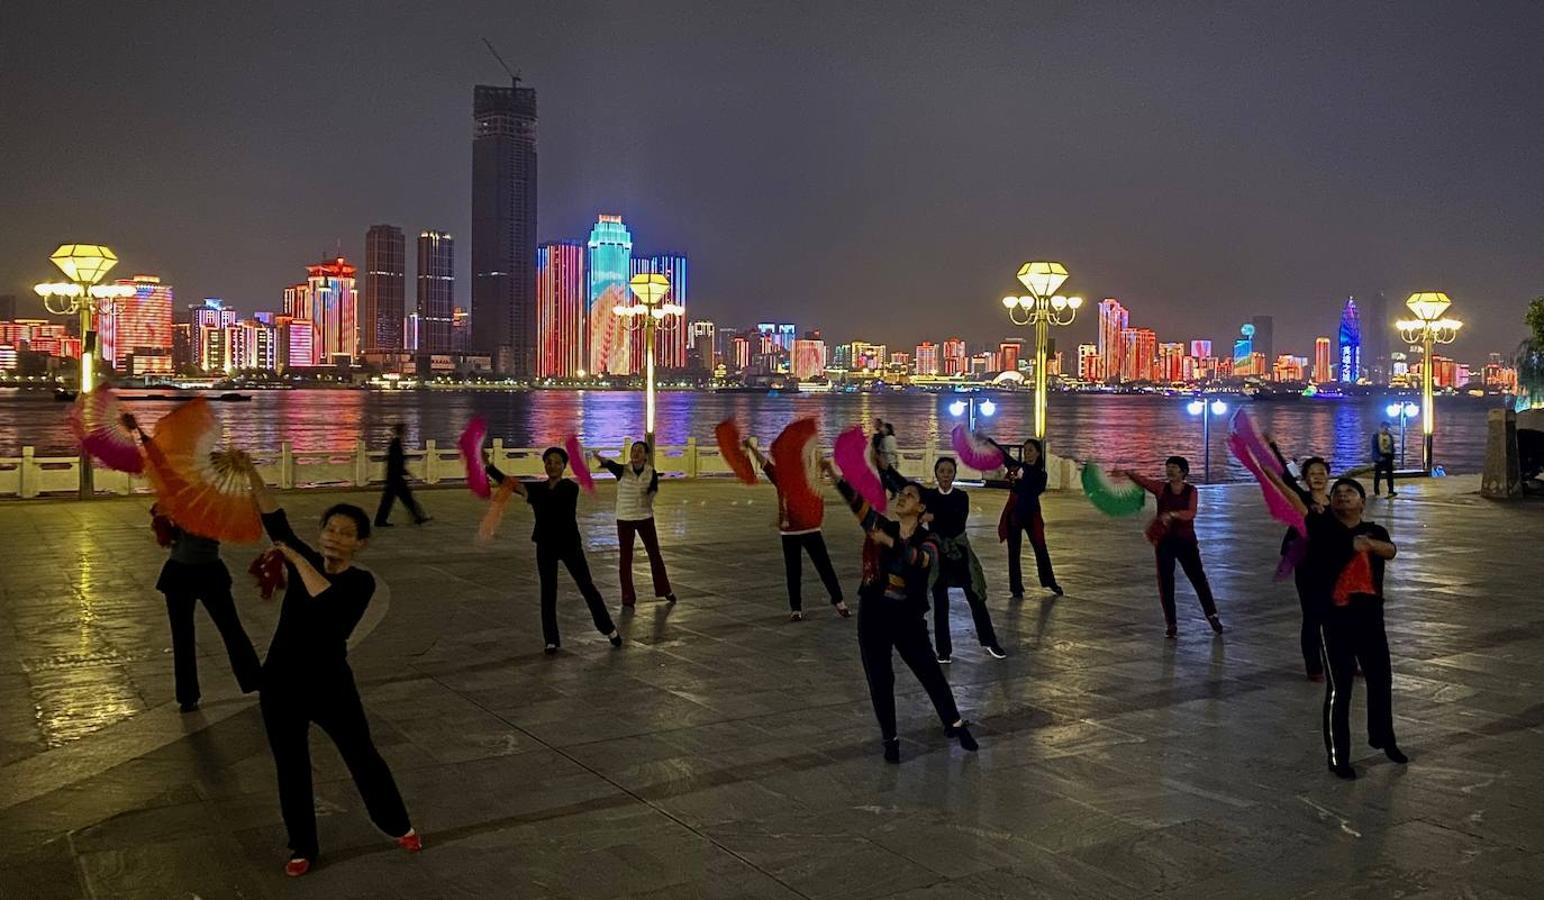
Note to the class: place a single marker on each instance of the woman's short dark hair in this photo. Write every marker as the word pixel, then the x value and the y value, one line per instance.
pixel 945 459
pixel 1312 461
pixel 1182 462
pixel 1353 483
pixel 914 486
pixel 360 518
pixel 561 454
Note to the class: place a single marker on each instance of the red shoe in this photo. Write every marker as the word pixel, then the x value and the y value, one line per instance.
pixel 297 867
pixel 412 842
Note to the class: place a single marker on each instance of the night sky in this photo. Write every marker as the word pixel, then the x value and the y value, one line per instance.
pixel 877 170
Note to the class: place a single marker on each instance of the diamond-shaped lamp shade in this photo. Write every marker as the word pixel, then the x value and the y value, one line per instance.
pixel 1042 278
pixel 84 263
pixel 650 287
pixel 1429 306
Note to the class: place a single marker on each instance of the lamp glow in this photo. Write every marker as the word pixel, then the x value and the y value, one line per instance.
pixel 1058 303
pixel 1042 278
pixel 84 263
pixel 1393 409
pixel 1196 407
pixel 957 408
pixel 1219 407
pixel 1429 327
pixel 1042 308
pixel 1429 306
pixel 988 408
pixel 1010 302
pixel 1412 410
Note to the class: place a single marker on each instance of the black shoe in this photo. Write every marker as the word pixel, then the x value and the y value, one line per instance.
pixel 383 525
pixel 893 750
pixel 670 598
pixel 188 707
pixel 1393 493
pixel 1057 590
pixel 1016 595
pixel 1395 755
pixel 1216 623
pixel 615 638
pixel 551 649
pixel 962 734
pixel 995 651
pixel 945 659
pixel 1344 772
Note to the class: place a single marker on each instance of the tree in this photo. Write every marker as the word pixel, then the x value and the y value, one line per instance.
pixel 1530 358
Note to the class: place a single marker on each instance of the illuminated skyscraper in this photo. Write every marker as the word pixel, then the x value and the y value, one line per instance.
pixel 809 359
pixel 383 296
pixel 1350 343
pixel 1171 362
pixel 608 265
pixel 1201 349
pixel 670 339
pixel 1089 363
pixel 1009 353
pixel 1323 360
pixel 504 226
pixel 927 358
pixel 560 303
pixel 436 290
pixel 1113 322
pixel 953 358
pixel 1141 354
pixel 211 315
pixel 702 345
pixel 334 316
pixel 137 335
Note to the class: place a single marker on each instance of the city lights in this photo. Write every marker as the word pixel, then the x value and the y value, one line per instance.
pixel 1216 408
pixel 651 313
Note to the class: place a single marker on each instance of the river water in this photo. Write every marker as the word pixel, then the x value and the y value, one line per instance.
pixel 1136 430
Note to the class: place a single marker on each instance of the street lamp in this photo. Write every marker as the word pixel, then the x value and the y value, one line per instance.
pixel 1405 412
pixel 1042 307
pixel 971 405
pixel 84 265
pixel 1199 407
pixel 1429 327
pixel 650 313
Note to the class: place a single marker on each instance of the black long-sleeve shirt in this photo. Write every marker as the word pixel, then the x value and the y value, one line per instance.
pixel 312 635
pixel 1330 550
pixel 396 461
pixel 1027 488
pixel 898 573
pixel 554 506
pixel 949 511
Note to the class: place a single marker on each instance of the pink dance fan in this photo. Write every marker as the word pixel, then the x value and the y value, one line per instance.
pixel 852 458
pixel 470 445
pixel 1249 448
pixel 95 420
pixel 577 463
pixel 975 451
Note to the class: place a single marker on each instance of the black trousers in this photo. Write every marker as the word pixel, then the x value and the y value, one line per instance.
pixel 1355 633
pixel 290 703
pixel 885 625
pixel 572 558
pixel 214 590
pixel 1188 555
pixel 957 573
pixel 1308 637
pixel 397 489
pixel 1383 467
pixel 793 567
pixel 1035 528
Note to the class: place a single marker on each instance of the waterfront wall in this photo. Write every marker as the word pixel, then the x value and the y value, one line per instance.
pixel 29 475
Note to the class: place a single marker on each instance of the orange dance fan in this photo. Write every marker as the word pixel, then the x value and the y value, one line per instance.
pixel 730 447
pixel 204 489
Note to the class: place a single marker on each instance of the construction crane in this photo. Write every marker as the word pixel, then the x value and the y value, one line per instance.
pixel 514 77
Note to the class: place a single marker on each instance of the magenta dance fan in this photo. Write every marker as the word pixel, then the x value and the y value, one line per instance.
pixel 470 445
pixel 980 453
pixel 95 420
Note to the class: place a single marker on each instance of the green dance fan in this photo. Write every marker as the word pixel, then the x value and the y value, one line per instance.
pixel 1111 498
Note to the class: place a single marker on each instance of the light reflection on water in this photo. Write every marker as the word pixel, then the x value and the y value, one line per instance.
pixel 1134 430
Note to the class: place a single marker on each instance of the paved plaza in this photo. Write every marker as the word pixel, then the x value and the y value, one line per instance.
pixel 725 752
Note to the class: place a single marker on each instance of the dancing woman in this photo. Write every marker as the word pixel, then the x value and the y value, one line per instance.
pixel 957 562
pixel 306 677
pixel 800 531
pixel 892 610
pixel 637 486
pixel 1023 516
pixel 1313 491
pixel 555 508
pixel 1173 534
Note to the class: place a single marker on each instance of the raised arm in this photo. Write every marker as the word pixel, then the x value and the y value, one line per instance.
pixel 313 580
pixel 498 477
pixel 866 514
pixel 1287 478
pixel 266 504
pixel 1151 485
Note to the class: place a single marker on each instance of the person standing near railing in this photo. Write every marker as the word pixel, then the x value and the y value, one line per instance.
pixel 396 484
pixel 637 486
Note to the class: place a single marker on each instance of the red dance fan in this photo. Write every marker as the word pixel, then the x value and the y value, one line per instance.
pixel 268 569
pixel 576 461
pixel 96 420
pixel 792 453
pixel 732 448
pixel 203 489
pixel 470 445
pixel 851 455
pixel 981 454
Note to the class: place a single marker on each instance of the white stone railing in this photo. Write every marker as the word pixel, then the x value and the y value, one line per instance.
pixel 30 475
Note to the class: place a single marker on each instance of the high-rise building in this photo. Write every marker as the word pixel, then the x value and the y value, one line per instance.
pixel 1113 322
pixel 1171 362
pixel 701 346
pixel 608 266
pixel 1322 360
pixel 560 301
pixel 953 358
pixel 1350 363
pixel 1264 336
pixel 809 359
pixel 412 332
pixel 504 226
pixel 1009 352
pixel 334 313
pixel 460 330
pixel 436 290
pixel 383 298
pixel 669 340
pixel 1141 354
pixel 739 353
pixel 1289 368
pixel 1200 349
pixel 137 334
pixel 203 318
pixel 926 356
pixel 1090 363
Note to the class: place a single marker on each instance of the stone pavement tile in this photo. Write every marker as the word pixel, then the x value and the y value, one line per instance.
pixel 820 861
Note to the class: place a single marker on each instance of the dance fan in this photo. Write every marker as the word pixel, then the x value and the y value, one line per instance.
pixel 470 445
pixel 1108 497
pixel 977 451
pixel 851 455
pixel 577 463
pixel 732 448
pixel 489 526
pixel 792 453
pixel 1249 448
pixel 204 489
pixel 97 422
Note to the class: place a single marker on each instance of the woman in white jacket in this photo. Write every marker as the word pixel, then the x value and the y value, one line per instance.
pixel 637 483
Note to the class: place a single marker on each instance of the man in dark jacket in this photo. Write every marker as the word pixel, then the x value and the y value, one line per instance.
pixel 1383 458
pixel 396 483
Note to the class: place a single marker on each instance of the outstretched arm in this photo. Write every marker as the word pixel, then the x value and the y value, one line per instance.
pixel 1293 495
pixel 1151 485
pixel 498 477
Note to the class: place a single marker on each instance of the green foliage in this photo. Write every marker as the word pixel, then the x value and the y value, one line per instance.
pixel 1530 358
pixel 1534 317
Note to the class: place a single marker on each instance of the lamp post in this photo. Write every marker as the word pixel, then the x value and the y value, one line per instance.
pixel 968 408
pixel 650 313
pixel 1429 327
pixel 1405 412
pixel 84 265
pixel 1042 307
pixel 1199 407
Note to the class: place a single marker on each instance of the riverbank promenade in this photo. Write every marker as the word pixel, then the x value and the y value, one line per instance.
pixel 726 752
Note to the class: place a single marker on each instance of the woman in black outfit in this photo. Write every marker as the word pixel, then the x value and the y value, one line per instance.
pixel 306 677
pixel 1023 516
pixel 555 507
pixel 1314 491
pixel 892 610
pixel 948 508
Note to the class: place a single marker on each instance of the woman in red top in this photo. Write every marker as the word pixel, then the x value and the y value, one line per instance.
pixel 800 536
pixel 1173 534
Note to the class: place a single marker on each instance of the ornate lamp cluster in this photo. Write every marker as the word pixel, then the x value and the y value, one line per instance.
pixel 1042 307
